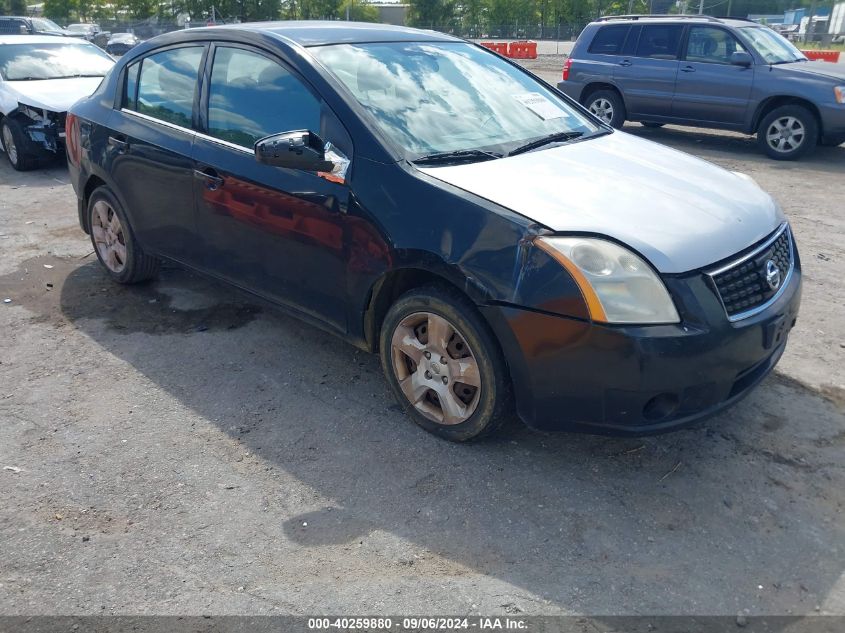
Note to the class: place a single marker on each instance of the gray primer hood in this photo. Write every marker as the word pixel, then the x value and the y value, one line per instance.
pixel 680 212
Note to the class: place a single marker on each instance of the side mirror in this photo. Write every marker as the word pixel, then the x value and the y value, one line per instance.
pixel 302 150
pixel 741 58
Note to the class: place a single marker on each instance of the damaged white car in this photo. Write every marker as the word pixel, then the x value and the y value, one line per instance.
pixel 40 78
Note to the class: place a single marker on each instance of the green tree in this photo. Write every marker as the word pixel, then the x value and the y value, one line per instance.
pixel 59 10
pixel 359 11
pixel 17 7
pixel 431 13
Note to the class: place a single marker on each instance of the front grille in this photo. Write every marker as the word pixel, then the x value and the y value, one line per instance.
pixel 748 284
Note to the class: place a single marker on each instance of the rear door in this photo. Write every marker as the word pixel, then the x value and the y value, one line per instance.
pixel 646 73
pixel 278 232
pixel 149 145
pixel 709 88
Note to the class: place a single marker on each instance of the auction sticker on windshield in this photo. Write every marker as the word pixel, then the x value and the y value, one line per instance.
pixel 541 106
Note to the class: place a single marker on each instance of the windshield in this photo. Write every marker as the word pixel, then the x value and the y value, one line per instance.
pixel 20 62
pixel 774 48
pixel 432 97
pixel 43 24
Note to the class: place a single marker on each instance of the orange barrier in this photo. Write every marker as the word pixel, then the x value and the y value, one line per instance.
pixel 522 50
pixel 501 48
pixel 514 50
pixel 825 56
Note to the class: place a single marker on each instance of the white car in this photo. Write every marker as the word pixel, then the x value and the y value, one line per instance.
pixel 40 78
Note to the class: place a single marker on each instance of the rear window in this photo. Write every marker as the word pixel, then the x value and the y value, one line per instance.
pixel 11 27
pixel 660 41
pixel 609 40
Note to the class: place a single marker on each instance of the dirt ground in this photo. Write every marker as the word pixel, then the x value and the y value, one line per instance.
pixel 181 448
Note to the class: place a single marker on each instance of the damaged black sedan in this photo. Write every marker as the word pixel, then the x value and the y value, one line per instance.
pixel 40 78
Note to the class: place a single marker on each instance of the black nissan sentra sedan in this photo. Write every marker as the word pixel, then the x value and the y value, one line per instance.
pixel 499 246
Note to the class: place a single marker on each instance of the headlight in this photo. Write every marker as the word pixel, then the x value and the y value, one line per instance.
pixel 839 93
pixel 618 286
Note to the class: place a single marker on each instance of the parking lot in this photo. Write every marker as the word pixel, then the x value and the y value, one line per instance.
pixel 180 448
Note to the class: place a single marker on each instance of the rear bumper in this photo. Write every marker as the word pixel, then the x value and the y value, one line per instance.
pixel 571 89
pixel 575 375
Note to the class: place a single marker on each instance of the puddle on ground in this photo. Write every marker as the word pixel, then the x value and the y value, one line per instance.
pixel 57 289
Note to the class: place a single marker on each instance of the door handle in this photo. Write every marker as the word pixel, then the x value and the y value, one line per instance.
pixel 687 69
pixel 212 180
pixel 625 62
pixel 119 143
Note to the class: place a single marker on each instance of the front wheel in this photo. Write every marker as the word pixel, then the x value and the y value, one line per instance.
pixel 608 106
pixel 788 132
pixel 16 146
pixel 443 364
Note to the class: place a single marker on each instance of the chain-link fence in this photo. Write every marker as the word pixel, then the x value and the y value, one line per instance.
pixel 151 27
pixel 564 31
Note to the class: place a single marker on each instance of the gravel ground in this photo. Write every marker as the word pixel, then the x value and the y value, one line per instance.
pixel 181 448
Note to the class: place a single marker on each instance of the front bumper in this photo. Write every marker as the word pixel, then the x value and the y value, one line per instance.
pixel 575 375
pixel 833 122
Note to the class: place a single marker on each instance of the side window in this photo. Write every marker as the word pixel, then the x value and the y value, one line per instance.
pixel 631 42
pixel 660 41
pixel 609 40
pixel 711 45
pixel 251 96
pixel 166 85
pixel 130 87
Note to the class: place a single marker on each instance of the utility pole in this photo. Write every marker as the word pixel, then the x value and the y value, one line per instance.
pixel 700 7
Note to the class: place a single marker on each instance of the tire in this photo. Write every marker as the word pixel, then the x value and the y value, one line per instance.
pixel 472 411
pixel 788 132
pixel 608 106
pixel 114 242
pixel 651 124
pixel 18 149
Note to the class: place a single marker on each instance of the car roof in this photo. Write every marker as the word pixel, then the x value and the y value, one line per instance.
pixel 322 33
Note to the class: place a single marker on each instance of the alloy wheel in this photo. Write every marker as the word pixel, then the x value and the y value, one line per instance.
pixel 603 109
pixel 108 236
pixel 9 145
pixel 785 134
pixel 435 367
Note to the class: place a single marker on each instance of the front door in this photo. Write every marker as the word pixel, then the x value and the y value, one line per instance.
pixel 709 88
pixel 277 232
pixel 647 75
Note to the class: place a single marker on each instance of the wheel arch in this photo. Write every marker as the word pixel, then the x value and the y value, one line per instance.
pixel 595 86
pixel 769 104
pixel 394 283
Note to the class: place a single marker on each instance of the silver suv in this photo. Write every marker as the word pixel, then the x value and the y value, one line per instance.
pixel 731 74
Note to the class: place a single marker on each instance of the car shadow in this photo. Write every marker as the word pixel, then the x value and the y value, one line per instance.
pixel 715 145
pixel 742 512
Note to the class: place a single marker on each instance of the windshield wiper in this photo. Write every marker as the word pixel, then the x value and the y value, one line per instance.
pixel 546 140
pixel 458 156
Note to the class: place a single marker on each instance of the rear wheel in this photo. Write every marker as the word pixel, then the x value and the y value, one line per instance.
pixel 113 240
pixel 19 151
pixel 443 364
pixel 608 106
pixel 788 132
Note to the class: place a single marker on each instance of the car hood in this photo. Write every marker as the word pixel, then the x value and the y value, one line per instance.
pixel 819 69
pixel 680 212
pixel 56 95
